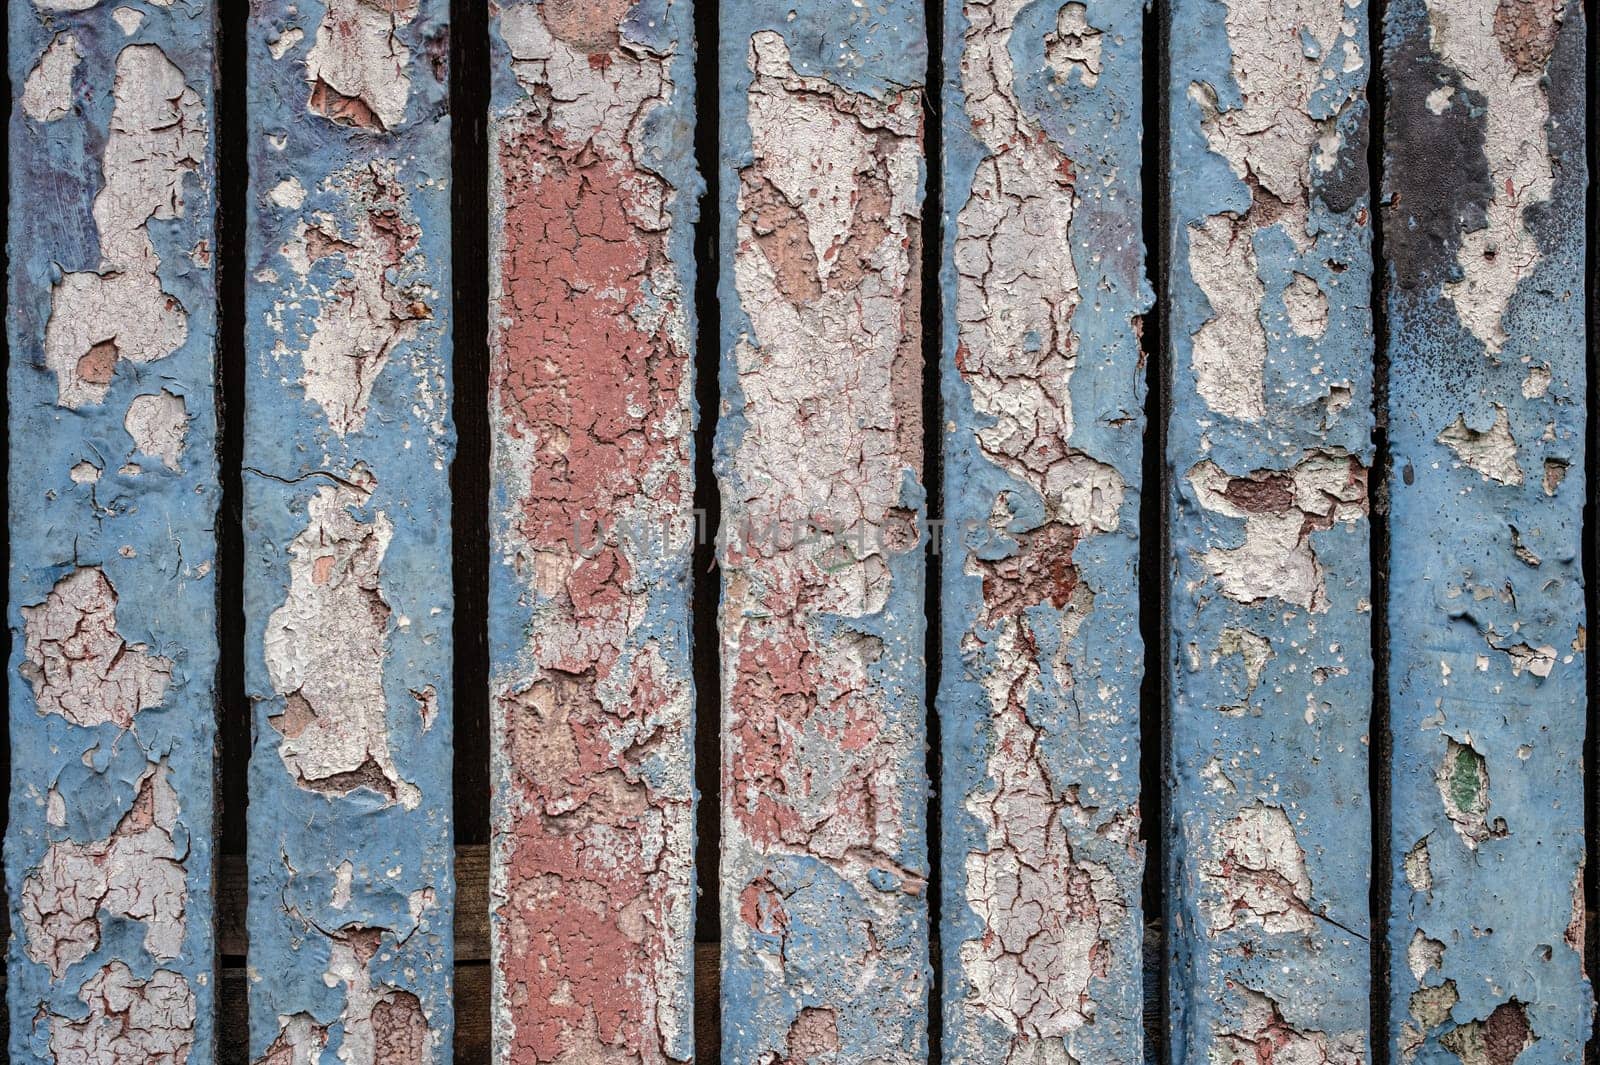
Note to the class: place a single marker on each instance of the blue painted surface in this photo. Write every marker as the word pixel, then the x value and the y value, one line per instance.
pixel 881 50
pixel 1084 705
pixel 300 837
pixel 1300 743
pixel 150 533
pixel 1479 566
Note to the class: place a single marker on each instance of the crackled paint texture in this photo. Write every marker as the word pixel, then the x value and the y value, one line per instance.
pixel 1268 452
pixel 348 606
pixel 1043 396
pixel 593 196
pixel 1486 417
pixel 112 590
pixel 824 846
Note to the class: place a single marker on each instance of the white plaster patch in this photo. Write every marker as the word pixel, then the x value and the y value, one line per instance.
pixel 128 19
pixel 1270 142
pixel 136 873
pixel 1073 50
pixel 78 663
pixel 1307 306
pixel 1258 874
pixel 1281 510
pixel 47 92
pixel 159 426
pixel 1495 257
pixel 129 1020
pixel 288 193
pixel 1492 451
pixel 359 67
pixel 325 649
pixel 157 138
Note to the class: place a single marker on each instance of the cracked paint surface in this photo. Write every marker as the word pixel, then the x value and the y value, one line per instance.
pixel 1268 447
pixel 348 589
pixel 594 197
pixel 824 853
pixel 1043 389
pixel 112 612
pixel 1486 417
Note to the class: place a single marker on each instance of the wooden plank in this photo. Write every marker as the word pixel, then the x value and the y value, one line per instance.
pixel 347 533
pixel 1269 444
pixel 593 197
pixel 824 796
pixel 1041 923
pixel 113 494
pixel 1484 234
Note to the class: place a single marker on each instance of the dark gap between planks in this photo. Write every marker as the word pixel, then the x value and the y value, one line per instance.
pixel 232 203
pixel 706 578
pixel 1154 538
pixel 470 67
pixel 1379 740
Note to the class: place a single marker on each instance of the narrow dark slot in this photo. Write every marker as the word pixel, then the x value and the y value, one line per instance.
pixel 1591 535
pixel 933 479
pixel 1380 746
pixel 469 474
pixel 1155 543
pixel 706 590
pixel 233 197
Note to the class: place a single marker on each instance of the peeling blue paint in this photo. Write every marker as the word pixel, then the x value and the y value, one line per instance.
pixel 1084 704
pixel 149 531
pixel 1483 561
pixel 398 883
pixel 819 987
pixel 1294 739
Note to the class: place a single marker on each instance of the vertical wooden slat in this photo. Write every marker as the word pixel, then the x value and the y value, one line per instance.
pixel 594 195
pixel 113 492
pixel 347 531
pixel 1484 193
pixel 1268 452
pixel 1043 381
pixel 824 851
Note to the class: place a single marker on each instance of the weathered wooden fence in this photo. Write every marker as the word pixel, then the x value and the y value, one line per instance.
pixel 990 532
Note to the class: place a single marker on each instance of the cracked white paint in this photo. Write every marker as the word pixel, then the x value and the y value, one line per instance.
pixel 47 92
pixel 128 20
pixel 1017 285
pixel 157 137
pixel 1269 141
pixel 1254 652
pixel 300 1041
pixel 1423 955
pixel 149 1022
pixel 158 424
pixel 1074 49
pixel 78 663
pixel 1307 306
pixel 1492 451
pixel 1262 1035
pixel 833 366
pixel 136 873
pixel 373 303
pixel 359 68
pixel 1258 874
pixel 382 1025
pixel 1419 867
pixel 326 645
pixel 1495 257
pixel 1047 916
pixel 1276 559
